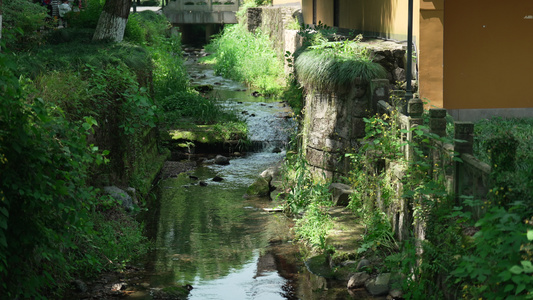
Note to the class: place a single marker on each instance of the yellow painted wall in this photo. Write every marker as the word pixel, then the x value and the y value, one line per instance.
pixel 324 12
pixel 307 11
pixel 430 52
pixel 488 54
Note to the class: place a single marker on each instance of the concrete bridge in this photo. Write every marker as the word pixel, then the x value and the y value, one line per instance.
pixel 205 12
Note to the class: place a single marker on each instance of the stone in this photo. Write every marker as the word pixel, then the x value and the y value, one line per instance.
pixel 121 196
pixel 357 280
pixel 362 264
pixel 380 285
pixel 260 188
pixel 271 173
pixel 133 194
pixel 217 179
pixel 399 74
pixel 221 160
pixel 415 107
pixel 396 294
pixel 340 193
pixel 80 286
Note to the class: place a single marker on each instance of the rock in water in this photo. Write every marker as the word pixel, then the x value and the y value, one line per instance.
pixel 217 179
pixel 358 280
pixel 380 285
pixel 221 160
pixel 260 188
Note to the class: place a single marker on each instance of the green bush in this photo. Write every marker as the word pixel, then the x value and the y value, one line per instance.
pixel 247 57
pixel 147 26
pixel 88 16
pixel 505 239
pixel 22 23
pixel 45 200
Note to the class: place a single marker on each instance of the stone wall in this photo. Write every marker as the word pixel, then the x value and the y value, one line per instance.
pixel 332 126
pixel 274 21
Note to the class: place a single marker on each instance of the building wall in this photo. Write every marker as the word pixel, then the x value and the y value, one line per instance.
pixel 430 52
pixel 384 18
pixel 488 46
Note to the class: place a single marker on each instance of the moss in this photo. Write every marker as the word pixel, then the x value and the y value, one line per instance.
pixel 208 134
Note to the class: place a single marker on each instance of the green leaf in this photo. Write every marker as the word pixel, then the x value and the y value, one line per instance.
pixel 508 288
pixel 528 267
pixel 520 288
pixel 505 275
pixel 4 211
pixel 530 235
pixel 516 270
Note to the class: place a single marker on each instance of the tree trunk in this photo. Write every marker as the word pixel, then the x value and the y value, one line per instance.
pixel 113 19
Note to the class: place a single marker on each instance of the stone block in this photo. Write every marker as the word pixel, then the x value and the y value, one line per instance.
pixel 340 193
pixel 358 128
pixel 357 280
pixel 399 74
pixel 380 285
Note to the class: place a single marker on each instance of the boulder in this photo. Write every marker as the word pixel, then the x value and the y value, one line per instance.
pixel 271 173
pixel 358 280
pixel 121 196
pixel 260 188
pixel 395 294
pixel 217 179
pixel 380 285
pixel 221 160
pixel 340 194
pixel 362 264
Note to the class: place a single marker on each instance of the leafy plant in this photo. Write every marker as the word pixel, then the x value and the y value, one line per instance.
pixel 504 240
pixel 249 58
pixel 21 24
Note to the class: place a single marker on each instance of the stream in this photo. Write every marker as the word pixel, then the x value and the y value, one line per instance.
pixel 212 238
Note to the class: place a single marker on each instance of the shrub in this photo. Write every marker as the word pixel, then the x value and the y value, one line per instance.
pixel 88 16
pixel 247 57
pixel 22 21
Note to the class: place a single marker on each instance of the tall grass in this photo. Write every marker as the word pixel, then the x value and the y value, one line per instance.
pixel 331 67
pixel 248 57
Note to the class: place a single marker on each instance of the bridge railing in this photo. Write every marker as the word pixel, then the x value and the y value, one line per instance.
pixel 207 5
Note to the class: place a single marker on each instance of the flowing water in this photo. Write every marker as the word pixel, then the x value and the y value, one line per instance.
pixel 224 245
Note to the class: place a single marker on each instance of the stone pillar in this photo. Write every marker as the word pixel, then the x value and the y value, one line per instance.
pixel 254 15
pixel 437 121
pixel 209 31
pixel 415 109
pixel 380 91
pixel 464 131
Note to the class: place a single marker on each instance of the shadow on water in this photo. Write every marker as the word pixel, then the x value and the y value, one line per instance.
pixel 224 245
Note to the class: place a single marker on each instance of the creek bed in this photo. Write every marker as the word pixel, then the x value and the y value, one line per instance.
pixel 226 246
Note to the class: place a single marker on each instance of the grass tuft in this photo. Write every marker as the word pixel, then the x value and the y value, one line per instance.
pixel 327 71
